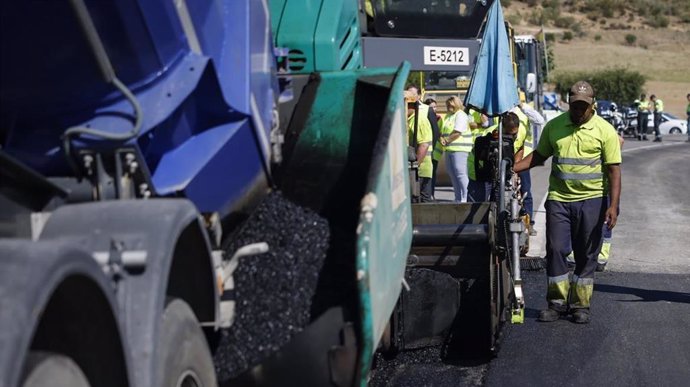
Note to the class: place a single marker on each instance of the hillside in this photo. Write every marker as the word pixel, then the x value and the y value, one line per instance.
pixel 649 36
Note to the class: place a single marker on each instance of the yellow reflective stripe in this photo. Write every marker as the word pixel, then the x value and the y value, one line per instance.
pixel 459 148
pixel 605 251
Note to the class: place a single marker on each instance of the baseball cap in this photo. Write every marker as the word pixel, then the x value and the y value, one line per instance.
pixel 581 91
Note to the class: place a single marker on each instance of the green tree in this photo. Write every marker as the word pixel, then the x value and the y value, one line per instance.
pixel 615 84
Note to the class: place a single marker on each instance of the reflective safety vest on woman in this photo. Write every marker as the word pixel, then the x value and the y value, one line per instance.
pixel 462 143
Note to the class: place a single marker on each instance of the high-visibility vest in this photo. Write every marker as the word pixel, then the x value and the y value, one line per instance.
pixel 658 105
pixel 580 152
pixel 517 144
pixel 424 135
pixel 527 128
pixel 643 107
pixel 460 144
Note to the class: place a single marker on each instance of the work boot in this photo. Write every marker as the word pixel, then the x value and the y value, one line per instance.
pixel 658 139
pixel 549 315
pixel 601 266
pixel 581 316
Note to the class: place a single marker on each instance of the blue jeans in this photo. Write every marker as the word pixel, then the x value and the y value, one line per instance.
pixel 457 170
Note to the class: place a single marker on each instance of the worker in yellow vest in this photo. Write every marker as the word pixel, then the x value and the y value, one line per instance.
pixel 585 170
pixel 480 190
pixel 658 105
pixel 422 143
pixel 642 117
pixel 456 139
pixel 430 114
pixel 436 119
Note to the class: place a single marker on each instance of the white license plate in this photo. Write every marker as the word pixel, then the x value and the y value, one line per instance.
pixel 451 56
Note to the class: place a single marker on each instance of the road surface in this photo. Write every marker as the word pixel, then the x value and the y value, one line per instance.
pixel 640 329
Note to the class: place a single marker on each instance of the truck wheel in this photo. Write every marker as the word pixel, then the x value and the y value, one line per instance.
pixel 52 369
pixel 185 359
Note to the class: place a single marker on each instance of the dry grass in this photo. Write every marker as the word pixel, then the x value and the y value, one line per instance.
pixel 662 55
pixel 664 62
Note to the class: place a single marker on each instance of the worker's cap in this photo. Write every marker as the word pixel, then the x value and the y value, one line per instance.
pixel 581 91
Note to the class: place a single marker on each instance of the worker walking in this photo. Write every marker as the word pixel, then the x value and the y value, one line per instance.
pixel 642 118
pixel 658 106
pixel 421 138
pixel 456 139
pixel 585 169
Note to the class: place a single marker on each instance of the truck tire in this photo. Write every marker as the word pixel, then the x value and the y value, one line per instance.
pixel 185 359
pixel 52 369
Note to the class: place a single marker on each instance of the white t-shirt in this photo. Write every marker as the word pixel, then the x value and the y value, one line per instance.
pixel 461 122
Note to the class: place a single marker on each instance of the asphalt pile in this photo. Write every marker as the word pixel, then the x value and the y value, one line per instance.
pixel 273 291
pixel 424 368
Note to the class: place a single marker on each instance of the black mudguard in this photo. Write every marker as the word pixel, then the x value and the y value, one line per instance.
pixel 30 272
pixel 155 226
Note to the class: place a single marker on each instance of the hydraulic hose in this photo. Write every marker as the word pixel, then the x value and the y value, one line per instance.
pixel 108 73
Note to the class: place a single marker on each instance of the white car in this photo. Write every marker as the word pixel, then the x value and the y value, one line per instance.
pixel 670 124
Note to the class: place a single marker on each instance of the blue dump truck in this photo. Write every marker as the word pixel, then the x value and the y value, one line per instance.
pixel 188 197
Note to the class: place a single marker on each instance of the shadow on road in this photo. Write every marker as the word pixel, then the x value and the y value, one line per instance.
pixel 646 295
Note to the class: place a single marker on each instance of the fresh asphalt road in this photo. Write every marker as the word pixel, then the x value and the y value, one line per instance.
pixel 640 329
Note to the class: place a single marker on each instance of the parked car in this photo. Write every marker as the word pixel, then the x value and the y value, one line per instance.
pixel 670 124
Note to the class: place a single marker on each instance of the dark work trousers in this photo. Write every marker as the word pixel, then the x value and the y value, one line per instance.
pixel 642 124
pixel 526 191
pixel 435 135
pixel 425 190
pixel 657 122
pixel 434 163
pixel 577 224
pixel 478 191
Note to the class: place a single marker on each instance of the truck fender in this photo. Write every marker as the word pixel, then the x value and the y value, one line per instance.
pixel 54 297
pixel 174 260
